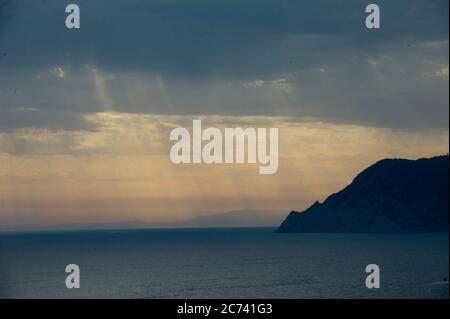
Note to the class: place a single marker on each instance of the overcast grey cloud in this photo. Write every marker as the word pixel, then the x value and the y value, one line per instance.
pixel 251 37
pixel 266 57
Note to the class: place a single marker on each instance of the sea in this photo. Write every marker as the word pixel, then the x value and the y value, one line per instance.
pixel 222 263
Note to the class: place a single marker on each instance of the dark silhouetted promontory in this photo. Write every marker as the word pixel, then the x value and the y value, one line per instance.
pixel 393 195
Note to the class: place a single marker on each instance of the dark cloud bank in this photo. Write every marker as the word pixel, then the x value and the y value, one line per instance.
pixel 286 58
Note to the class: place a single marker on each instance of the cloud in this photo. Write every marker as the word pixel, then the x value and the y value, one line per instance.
pixel 58 72
pixel 29 117
pixel 194 38
pixel 253 84
pixel 266 57
pixel 442 73
pixel 281 84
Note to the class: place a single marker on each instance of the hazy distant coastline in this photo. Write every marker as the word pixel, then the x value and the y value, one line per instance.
pixel 230 219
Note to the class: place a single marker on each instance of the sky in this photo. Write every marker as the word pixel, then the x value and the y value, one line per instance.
pixel 85 114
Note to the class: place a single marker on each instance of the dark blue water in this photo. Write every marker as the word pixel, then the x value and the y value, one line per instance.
pixel 222 263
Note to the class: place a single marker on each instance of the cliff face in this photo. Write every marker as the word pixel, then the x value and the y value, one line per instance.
pixel 393 195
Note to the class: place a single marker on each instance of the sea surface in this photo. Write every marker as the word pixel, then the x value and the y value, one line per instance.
pixel 222 263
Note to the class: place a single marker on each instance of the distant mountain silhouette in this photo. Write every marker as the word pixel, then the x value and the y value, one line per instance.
pixel 393 195
pixel 238 218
